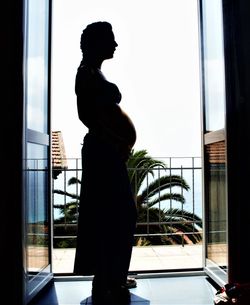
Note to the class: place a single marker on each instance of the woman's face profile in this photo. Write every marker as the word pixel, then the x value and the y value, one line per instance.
pixel 107 45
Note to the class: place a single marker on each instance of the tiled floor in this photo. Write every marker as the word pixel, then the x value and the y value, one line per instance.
pixel 181 290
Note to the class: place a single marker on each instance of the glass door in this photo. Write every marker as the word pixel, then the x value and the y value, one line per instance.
pixel 37 215
pixel 214 139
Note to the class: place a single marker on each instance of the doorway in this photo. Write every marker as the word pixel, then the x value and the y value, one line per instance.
pixel 156 67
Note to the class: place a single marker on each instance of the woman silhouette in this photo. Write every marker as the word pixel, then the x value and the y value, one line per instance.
pixel 107 213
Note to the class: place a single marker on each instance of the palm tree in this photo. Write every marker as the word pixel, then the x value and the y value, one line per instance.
pixel 69 210
pixel 65 225
pixel 155 225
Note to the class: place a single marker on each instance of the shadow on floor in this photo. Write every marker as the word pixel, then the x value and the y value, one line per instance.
pixel 134 300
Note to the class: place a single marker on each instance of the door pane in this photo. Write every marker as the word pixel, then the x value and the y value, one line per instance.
pixel 37 65
pixel 37 209
pixel 213 57
pixel 216 217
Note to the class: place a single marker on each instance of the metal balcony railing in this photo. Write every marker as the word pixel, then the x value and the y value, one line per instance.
pixel 169 203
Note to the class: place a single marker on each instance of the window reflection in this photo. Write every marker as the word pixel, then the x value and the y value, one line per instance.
pixel 37 66
pixel 217 215
pixel 214 75
pixel 37 208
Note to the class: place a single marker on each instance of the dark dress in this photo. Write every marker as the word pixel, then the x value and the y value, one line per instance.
pixel 107 213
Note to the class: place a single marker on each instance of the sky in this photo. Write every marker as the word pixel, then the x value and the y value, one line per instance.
pixel 155 66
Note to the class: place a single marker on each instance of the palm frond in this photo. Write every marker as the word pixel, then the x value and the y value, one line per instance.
pixel 168 196
pixel 74 180
pixel 174 213
pixel 60 192
pixel 162 184
pixel 139 165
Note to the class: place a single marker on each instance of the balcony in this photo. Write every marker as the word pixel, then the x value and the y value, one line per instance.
pixel 161 244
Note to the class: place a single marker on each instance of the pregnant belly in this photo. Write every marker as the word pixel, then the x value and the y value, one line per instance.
pixel 127 129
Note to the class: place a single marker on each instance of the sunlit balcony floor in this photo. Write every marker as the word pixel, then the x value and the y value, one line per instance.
pixel 143 258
